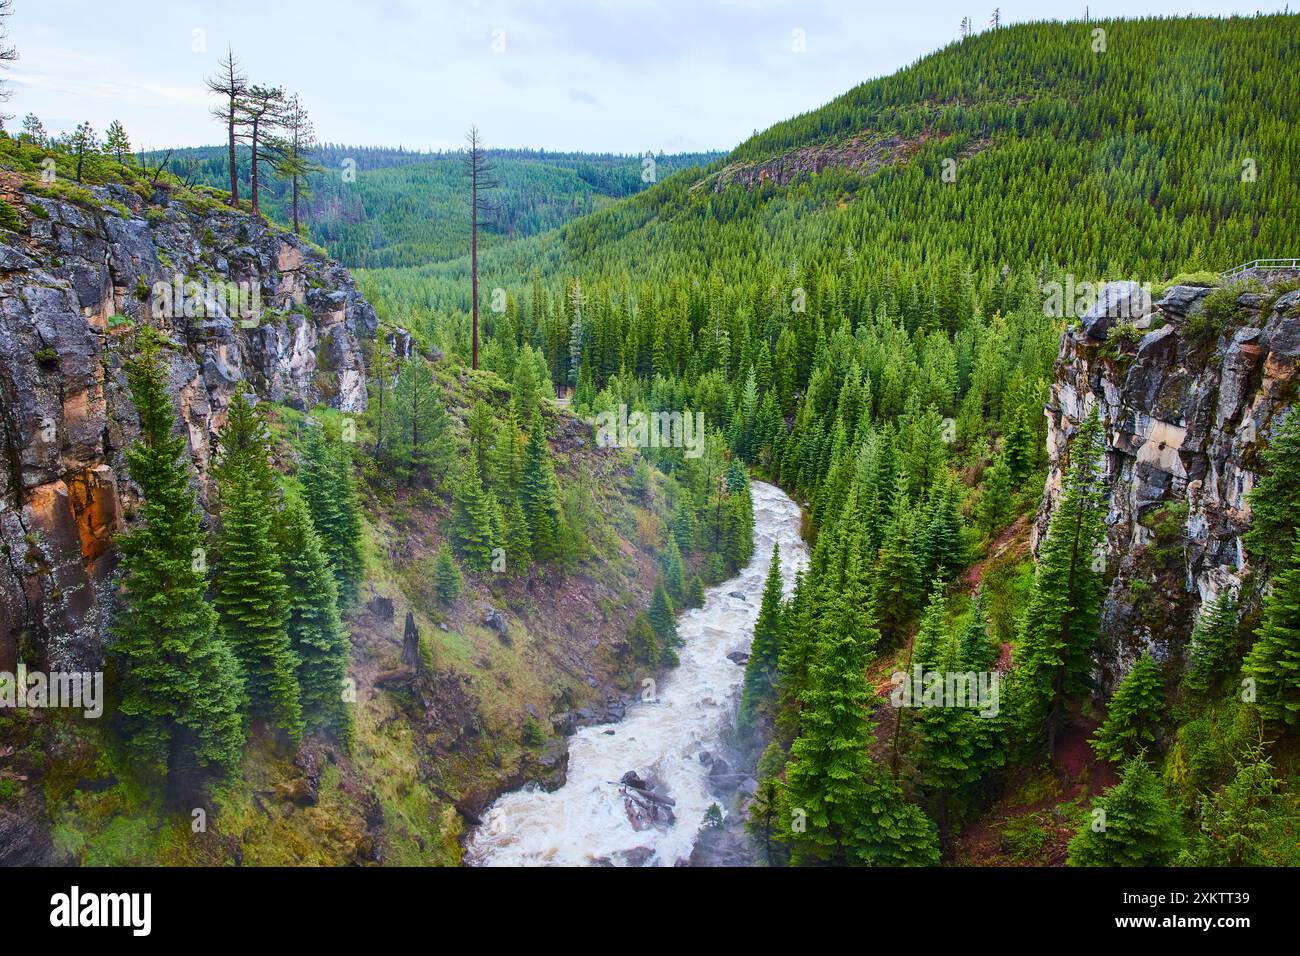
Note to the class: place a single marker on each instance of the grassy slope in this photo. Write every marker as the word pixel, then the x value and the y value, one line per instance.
pixel 451 737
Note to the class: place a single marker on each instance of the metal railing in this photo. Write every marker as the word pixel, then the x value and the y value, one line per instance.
pixel 1263 265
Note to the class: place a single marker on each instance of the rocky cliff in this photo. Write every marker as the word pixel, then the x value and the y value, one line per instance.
pixel 240 300
pixel 1189 388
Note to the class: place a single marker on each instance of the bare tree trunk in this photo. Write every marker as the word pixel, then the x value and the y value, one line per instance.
pixel 256 123
pixel 473 256
pixel 234 178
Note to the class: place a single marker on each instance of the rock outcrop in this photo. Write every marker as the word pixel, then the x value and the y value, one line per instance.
pixel 240 301
pixel 1188 398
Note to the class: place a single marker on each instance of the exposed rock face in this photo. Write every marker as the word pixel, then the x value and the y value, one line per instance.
pixel 1185 413
pixel 74 283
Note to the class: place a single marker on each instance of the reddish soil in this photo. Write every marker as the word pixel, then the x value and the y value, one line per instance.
pixel 1046 800
pixel 1015 538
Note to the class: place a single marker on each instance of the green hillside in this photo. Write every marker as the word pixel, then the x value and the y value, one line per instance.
pixel 866 325
pixel 410 208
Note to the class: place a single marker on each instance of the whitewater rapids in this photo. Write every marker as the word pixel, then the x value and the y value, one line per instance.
pixel 584 822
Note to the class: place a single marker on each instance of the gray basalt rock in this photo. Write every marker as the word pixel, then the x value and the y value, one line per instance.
pixel 1124 301
pixel 1184 424
pixel 1183 300
pixel 74 282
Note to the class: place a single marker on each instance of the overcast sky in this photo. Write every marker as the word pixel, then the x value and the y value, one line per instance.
pixel 601 75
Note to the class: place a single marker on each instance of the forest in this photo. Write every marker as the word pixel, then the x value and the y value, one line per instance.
pixel 856 302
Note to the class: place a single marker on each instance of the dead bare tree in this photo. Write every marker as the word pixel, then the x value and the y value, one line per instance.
pixel 161 166
pixel 480 171
pixel 229 81
pixel 8 54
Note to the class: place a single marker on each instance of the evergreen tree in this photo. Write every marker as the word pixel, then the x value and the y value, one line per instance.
pixel 1275 499
pixel 844 810
pixel 641 638
pixel 1236 820
pixel 447 580
pixel 674 572
pixel 977 648
pixel 995 505
pixel 765 649
pixel 117 144
pixel 420 446
pixel 1061 625
pixel 538 495
pixel 316 632
pixel 947 752
pixel 1132 824
pixel 475 519
pixel 178 685
pixel 1213 651
pixel 325 473
pixel 897 590
pixel 663 623
pixel 249 588
pixel 942 552
pixel 765 810
pixel 695 592
pixel 1133 717
pixel 1274 660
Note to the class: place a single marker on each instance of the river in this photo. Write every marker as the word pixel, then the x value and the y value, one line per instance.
pixel 585 822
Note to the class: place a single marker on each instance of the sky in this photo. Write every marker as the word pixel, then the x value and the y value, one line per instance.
pixel 625 76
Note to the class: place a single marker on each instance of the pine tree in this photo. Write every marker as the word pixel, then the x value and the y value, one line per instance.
pixel 947 751
pixel 765 649
pixel 117 144
pixel 178 685
pixel 1235 820
pixel 674 572
pixel 765 810
pixel 844 810
pixel 995 505
pixel 1213 651
pixel 316 633
pixel 248 587
pixel 420 444
pixel 979 651
pixel 1132 824
pixel 942 551
pixel 1061 624
pixel 1133 717
pixel 641 638
pixel 798 648
pixel 897 589
pixel 325 473
pixel 663 623
pixel 447 580
pixel 1274 660
pixel 1275 499
pixel 475 519
pixel 538 495
pixel 695 592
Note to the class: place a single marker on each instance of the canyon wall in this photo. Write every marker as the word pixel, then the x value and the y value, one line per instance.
pixel 239 300
pixel 1188 398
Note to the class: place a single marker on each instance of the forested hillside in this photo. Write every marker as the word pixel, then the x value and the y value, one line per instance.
pixel 861 300
pixel 374 207
pixel 902 309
